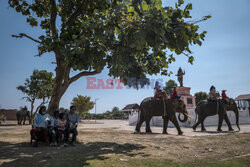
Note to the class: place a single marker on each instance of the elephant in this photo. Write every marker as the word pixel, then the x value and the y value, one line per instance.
pixel 150 107
pixel 21 116
pixel 207 108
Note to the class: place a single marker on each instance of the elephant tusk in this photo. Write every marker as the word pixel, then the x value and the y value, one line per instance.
pixel 187 115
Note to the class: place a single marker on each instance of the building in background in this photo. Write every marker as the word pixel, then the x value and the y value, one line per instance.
pixel 130 110
pixel 243 103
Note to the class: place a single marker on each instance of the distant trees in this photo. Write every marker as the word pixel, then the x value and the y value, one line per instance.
pixel 169 86
pixel 38 87
pixel 83 104
pixel 115 113
pixel 199 96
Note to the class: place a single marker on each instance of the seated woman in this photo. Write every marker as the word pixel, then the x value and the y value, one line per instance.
pixel 213 95
pixel 61 126
pixel 158 93
pixel 72 122
pixel 40 132
pixel 52 127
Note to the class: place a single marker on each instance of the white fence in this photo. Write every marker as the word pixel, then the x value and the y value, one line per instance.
pixel 244 118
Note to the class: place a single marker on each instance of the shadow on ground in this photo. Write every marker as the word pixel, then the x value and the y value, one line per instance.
pixel 22 154
pixel 216 132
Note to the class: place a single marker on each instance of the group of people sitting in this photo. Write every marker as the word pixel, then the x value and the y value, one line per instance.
pixel 55 128
pixel 214 95
pixel 159 93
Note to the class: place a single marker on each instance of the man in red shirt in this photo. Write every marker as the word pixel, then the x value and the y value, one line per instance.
pixel 223 94
pixel 174 94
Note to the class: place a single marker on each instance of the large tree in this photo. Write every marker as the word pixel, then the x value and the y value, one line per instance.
pixel 38 87
pixel 169 86
pixel 83 104
pixel 132 38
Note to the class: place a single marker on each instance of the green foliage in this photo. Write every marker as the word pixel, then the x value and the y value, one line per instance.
pixel 199 96
pixel 169 86
pixel 83 104
pixel 38 86
pixel 132 38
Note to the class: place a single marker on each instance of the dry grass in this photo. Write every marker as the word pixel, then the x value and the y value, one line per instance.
pixel 112 147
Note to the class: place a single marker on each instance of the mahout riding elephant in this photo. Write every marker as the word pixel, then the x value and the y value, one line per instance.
pixel 207 108
pixel 150 107
pixel 21 116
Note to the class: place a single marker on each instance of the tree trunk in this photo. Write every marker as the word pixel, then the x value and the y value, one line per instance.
pixel 31 112
pixel 61 83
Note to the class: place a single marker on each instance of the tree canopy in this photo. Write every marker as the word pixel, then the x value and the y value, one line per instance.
pixel 170 84
pixel 83 104
pixel 199 96
pixel 38 87
pixel 132 38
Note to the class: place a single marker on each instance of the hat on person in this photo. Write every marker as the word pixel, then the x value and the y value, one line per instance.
pixel 224 90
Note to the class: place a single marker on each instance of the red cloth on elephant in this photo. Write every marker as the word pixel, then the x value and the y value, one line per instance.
pixel 39 134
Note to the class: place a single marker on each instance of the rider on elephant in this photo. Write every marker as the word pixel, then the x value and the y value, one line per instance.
pixel 224 96
pixel 213 95
pixel 158 93
pixel 174 94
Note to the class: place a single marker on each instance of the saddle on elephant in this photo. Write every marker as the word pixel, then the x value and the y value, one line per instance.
pixel 160 95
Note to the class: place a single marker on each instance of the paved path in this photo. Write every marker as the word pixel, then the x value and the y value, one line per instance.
pixel 123 125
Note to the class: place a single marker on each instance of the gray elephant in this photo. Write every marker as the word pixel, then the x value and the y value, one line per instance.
pixel 207 108
pixel 150 107
pixel 21 116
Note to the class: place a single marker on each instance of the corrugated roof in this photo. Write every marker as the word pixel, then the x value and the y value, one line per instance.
pixel 243 97
pixel 131 106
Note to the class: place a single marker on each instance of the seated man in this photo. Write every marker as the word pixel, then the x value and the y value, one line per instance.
pixel 72 122
pixel 40 132
pixel 174 94
pixel 224 96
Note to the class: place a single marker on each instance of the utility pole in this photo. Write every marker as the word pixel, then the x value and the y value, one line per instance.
pixel 95 108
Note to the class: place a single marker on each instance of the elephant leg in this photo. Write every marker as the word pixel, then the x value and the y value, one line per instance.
pixel 165 125
pixel 138 125
pixel 148 130
pixel 202 126
pixel 176 124
pixel 139 121
pixel 24 119
pixel 228 122
pixel 220 123
pixel 200 121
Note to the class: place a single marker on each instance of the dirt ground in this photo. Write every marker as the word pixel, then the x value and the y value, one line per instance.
pixel 114 143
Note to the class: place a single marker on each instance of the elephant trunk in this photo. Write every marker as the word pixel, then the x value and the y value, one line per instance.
pixel 184 119
pixel 236 111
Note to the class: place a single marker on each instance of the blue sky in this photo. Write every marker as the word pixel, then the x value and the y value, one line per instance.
pixel 223 60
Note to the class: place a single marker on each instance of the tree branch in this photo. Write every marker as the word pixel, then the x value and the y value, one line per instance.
pixel 82 8
pixel 21 35
pixel 53 17
pixel 84 73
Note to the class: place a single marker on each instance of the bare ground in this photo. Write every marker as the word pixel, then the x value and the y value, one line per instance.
pixel 110 143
